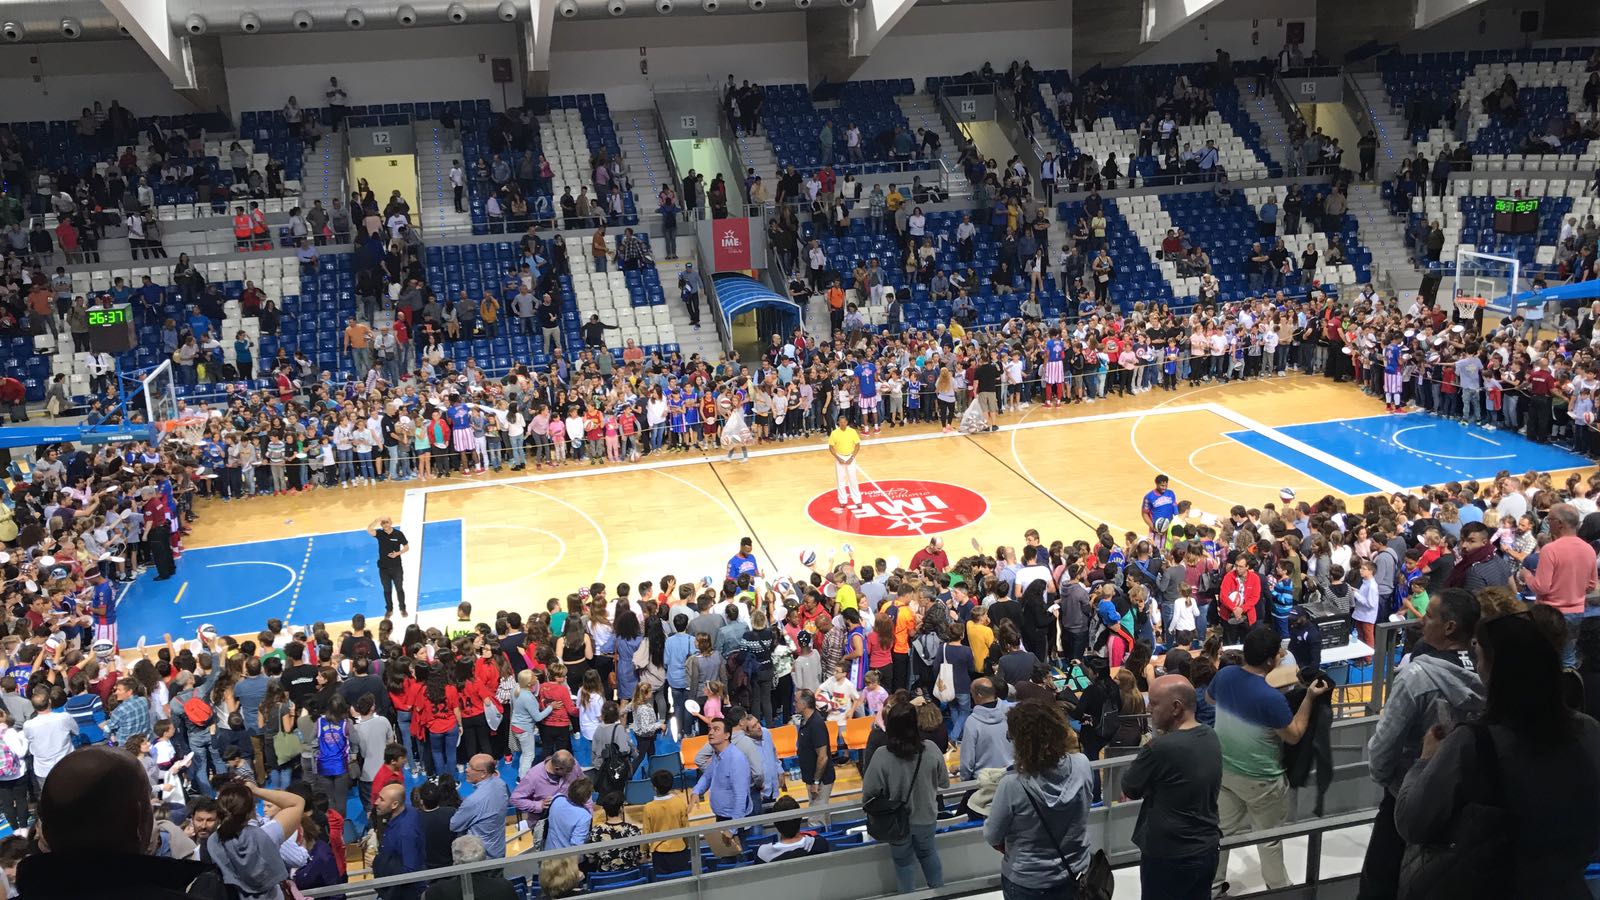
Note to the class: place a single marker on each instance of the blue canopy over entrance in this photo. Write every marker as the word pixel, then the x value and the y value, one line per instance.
pixel 739 294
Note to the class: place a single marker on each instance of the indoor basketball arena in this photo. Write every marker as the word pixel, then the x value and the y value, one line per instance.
pixel 1034 449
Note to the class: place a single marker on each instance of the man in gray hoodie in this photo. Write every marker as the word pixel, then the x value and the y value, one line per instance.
pixel 1439 686
pixel 984 741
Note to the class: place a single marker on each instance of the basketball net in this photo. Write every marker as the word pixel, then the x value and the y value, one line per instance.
pixel 185 430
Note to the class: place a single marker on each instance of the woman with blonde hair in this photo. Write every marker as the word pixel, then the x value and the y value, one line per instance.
pixel 526 714
pixel 1133 720
pixel 945 389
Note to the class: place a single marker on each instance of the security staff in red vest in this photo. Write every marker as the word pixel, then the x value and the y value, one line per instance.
pixel 241 229
pixel 259 232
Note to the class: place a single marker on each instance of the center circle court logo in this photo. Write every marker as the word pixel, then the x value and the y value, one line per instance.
pixel 900 509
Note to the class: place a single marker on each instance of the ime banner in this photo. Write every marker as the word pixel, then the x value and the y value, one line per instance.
pixel 730 245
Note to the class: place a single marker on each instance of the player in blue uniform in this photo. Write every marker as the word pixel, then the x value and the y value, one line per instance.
pixel 1159 506
pixel 1393 380
pixel 866 373
pixel 1054 373
pixel 459 415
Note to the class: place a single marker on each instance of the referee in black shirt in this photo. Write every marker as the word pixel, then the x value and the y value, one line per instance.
pixel 392 545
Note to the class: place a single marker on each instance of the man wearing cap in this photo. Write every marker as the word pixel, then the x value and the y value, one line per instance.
pixel 844 443
pixel 392 545
pixel 689 287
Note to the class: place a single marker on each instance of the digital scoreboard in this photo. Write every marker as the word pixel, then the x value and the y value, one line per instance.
pixel 1516 215
pixel 111 329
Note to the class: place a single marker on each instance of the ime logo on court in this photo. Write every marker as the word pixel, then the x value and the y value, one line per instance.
pixel 900 509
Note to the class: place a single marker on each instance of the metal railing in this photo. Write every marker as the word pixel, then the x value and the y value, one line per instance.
pixel 1351 800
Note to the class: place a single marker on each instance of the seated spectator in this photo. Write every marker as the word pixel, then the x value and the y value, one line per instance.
pixel 614 826
pixel 95 818
pixel 485 885
pixel 792 843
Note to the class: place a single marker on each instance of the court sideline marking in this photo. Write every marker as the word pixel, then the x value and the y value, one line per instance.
pixel 415 507
pixel 786 451
pixel 1305 449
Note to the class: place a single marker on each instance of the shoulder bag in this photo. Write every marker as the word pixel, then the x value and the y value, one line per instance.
pixel 888 819
pixel 1096 881
pixel 1476 860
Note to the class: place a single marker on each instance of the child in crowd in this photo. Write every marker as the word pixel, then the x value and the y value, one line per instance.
pixel 1185 613
pixel 1282 598
pixel 711 709
pixel 875 695
pixel 1415 605
pixel 838 698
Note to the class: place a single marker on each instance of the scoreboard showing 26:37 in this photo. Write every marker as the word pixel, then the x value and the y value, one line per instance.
pixel 1516 215
pixel 111 329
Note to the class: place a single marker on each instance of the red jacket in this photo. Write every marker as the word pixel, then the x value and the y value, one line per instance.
pixel 1233 596
pixel 555 694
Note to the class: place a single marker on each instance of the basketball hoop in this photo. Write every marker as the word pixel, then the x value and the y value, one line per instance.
pixel 187 430
pixel 1470 307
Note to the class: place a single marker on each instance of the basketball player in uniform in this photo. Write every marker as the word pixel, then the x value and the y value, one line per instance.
pixel 1158 508
pixel 866 373
pixel 1055 368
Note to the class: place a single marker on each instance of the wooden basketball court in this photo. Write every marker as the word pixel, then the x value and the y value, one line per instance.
pixel 1063 471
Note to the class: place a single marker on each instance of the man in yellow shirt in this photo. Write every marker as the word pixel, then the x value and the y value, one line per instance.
pixel 894 199
pixel 844 443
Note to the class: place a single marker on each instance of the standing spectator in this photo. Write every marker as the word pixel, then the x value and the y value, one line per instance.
pixel 483 813
pixel 1443 674
pixel 247 852
pixel 911 771
pixel 50 732
pixel 1529 755
pixel 814 750
pixel 726 777
pixel 402 849
pixel 1564 573
pixel 667 812
pixel 1238 599
pixel 570 818
pixel 1040 813
pixel 1253 723
pixel 371 735
pixel 1177 775
pixel 986 741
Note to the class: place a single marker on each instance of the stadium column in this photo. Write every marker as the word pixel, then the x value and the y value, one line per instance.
pixel 192 65
pixel 1163 17
pixel 1345 25
pixel 839 40
pixel 536 48
pixel 1105 33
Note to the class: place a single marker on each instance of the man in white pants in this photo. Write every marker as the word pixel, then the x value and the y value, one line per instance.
pixel 844 443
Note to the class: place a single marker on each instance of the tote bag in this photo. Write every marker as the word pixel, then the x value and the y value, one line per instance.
pixel 944 687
